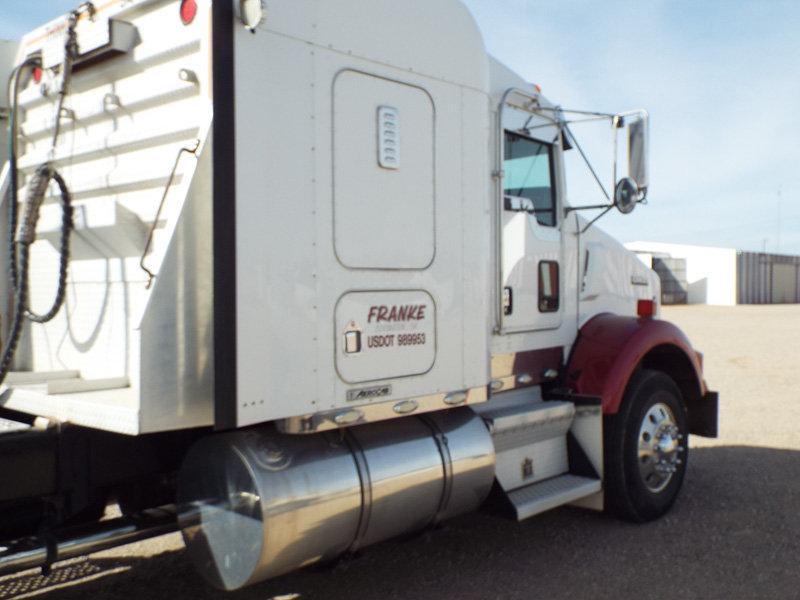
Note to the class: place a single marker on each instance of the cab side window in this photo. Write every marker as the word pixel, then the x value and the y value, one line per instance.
pixel 528 167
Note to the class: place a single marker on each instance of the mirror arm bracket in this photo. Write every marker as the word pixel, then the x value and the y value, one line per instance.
pixel 607 207
pixel 569 209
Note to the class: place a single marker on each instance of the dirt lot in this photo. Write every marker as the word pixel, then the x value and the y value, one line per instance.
pixel 734 532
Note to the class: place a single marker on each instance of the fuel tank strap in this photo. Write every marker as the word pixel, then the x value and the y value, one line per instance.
pixel 366 488
pixel 447 463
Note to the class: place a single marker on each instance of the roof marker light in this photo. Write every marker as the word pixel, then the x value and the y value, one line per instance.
pixel 188 11
pixel 37 74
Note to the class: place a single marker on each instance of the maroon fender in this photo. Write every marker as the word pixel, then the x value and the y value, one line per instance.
pixel 610 348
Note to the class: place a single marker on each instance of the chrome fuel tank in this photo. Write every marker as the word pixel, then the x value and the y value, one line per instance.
pixel 258 503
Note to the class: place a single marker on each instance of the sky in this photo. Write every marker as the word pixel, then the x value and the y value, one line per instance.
pixel 720 79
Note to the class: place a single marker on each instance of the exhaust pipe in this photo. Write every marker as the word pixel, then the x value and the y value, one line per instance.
pixel 260 503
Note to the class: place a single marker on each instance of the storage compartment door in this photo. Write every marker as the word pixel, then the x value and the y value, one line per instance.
pixel 383 171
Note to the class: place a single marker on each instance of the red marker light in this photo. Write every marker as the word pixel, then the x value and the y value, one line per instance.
pixel 646 308
pixel 188 11
pixel 37 74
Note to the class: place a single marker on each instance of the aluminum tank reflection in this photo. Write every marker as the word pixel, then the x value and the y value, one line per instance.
pixel 257 503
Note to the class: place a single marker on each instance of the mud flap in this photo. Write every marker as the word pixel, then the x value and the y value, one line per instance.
pixel 704 416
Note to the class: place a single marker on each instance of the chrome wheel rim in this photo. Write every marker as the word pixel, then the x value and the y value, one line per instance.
pixel 659 447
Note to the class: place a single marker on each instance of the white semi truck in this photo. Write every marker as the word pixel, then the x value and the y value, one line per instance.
pixel 298 276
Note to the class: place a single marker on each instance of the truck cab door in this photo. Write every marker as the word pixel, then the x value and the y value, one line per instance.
pixel 531 270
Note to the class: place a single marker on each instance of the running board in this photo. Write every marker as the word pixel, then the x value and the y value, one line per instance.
pixel 550 493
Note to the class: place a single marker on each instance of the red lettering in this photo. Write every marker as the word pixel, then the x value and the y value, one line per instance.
pixel 407 312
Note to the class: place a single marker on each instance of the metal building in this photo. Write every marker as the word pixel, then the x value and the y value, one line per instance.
pixel 767 278
pixel 721 276
pixel 691 274
pixel 674 282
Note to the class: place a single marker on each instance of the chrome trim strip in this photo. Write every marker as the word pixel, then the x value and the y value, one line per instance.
pixel 524 369
pixel 370 413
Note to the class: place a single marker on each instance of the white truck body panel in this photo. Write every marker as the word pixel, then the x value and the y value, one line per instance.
pixel 421 230
pixel 524 242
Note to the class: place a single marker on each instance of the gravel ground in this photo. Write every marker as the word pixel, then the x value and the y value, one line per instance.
pixel 734 532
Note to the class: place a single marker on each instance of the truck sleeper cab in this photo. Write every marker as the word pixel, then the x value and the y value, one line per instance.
pixel 321 287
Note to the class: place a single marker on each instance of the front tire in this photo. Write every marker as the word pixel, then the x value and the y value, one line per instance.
pixel 646 448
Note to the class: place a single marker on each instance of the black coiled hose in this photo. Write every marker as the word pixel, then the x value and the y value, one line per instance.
pixel 37 188
pixel 20 240
pixel 13 96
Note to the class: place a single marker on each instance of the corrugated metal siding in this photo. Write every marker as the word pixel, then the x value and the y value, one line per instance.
pixel 767 278
pixel 674 282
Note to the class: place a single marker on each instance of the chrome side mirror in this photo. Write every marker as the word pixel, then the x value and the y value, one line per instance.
pixel 638 146
pixel 626 195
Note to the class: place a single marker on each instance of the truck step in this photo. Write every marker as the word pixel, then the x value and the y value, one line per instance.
pixel 530 441
pixel 550 493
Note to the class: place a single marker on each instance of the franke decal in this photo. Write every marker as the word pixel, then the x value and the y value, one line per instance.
pixel 370 393
pixel 393 314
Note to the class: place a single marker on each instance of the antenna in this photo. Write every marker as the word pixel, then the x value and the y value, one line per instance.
pixel 778 243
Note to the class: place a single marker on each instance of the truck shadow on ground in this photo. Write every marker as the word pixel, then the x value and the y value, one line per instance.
pixel 734 533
